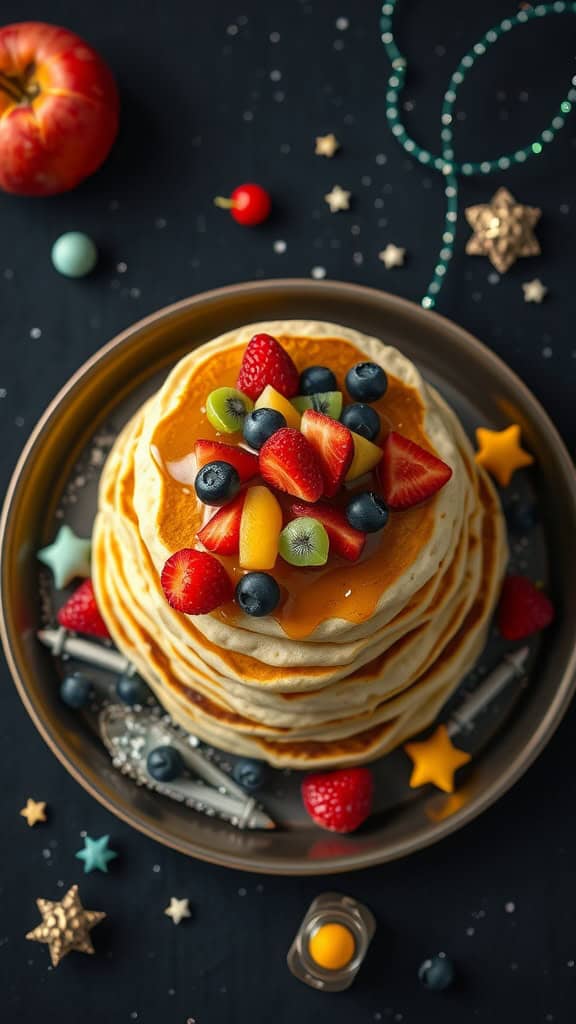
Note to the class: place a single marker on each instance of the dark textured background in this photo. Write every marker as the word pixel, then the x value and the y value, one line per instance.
pixel 203 109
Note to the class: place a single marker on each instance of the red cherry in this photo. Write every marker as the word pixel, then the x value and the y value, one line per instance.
pixel 248 204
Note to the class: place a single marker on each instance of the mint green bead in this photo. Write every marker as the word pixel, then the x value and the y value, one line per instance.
pixel 74 254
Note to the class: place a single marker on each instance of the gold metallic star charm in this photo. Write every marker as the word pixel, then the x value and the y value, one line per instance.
pixel 500 452
pixel 326 145
pixel 392 256
pixel 34 811
pixel 178 909
pixel 534 291
pixel 503 230
pixel 65 926
pixel 338 199
pixel 435 760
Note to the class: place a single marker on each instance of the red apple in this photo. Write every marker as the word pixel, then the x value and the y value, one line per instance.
pixel 58 109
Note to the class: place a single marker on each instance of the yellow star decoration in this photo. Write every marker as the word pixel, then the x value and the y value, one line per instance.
pixel 65 926
pixel 34 811
pixel 435 760
pixel 500 452
pixel 326 145
pixel 503 230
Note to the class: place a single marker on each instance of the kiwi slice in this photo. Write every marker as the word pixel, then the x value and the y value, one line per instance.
pixel 304 542
pixel 327 402
pixel 226 409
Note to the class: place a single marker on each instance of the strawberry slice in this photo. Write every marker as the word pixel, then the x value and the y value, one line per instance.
pixel 344 539
pixel 289 463
pixel 408 474
pixel 334 446
pixel 524 609
pixel 221 534
pixel 195 582
pixel 266 362
pixel 339 801
pixel 246 463
pixel 81 612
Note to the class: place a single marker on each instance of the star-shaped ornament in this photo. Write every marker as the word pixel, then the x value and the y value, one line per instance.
pixel 435 760
pixel 392 256
pixel 326 145
pixel 178 909
pixel 338 199
pixel 66 926
pixel 534 291
pixel 96 854
pixel 500 452
pixel 34 811
pixel 68 556
pixel 503 230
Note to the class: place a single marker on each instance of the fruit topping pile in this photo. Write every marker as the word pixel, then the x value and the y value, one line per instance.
pixel 306 477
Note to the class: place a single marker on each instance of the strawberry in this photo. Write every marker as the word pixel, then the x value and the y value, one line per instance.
pixel 333 444
pixel 524 609
pixel 408 474
pixel 195 582
pixel 81 612
pixel 289 463
pixel 221 533
pixel 215 451
pixel 344 539
pixel 339 801
pixel 266 362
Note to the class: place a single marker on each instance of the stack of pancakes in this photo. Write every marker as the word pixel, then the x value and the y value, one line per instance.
pixel 360 655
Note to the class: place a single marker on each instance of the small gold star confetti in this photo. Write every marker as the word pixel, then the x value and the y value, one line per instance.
pixel 534 291
pixel 503 230
pixel 338 199
pixel 435 760
pixel 65 926
pixel 326 145
pixel 178 909
pixel 34 811
pixel 499 452
pixel 392 256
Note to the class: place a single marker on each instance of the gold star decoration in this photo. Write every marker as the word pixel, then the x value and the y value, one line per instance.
pixel 338 199
pixel 178 909
pixel 435 760
pixel 503 230
pixel 500 452
pixel 65 926
pixel 392 256
pixel 326 145
pixel 34 811
pixel 534 291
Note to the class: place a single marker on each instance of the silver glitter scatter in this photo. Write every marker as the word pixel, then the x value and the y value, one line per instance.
pixel 47 854
pixel 242 19
pixel 3 392
pixel 377 1015
pixel 440 50
pixel 135 293
pixel 461 115
pixel 378 202
pixel 388 189
pixel 510 907
pixel 115 283
pixel 156 869
pixel 477 296
pixel 523 96
pixel 35 332
pixel 242 891
pixel 113 205
pixel 338 44
pixel 122 267
pixel 280 246
pixel 381 159
pixel 160 223
pixel 171 991
pixel 19 421
pixel 470 932
pixel 259 888
pixel 94 322
pixel 279 96
pixel 501 95
pixel 358 258
pixel 355 229
pixel 8 274
pixel 547 352
pixel 383 222
pixel 427 183
pixel 349 119
pixel 564 208
pixel 247 115
pixel 366 180
pixel 493 278
pixel 513 966
pixel 274 37
pixel 83 834
pixel 342 24
pixel 60 883
pixel 570 963
pixel 275 75
pixel 232 30
pixel 335 243
pixel 408 105
pixel 285 148
pixel 318 273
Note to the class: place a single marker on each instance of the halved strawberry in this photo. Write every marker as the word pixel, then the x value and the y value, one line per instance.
pixel 195 582
pixel 334 446
pixel 524 609
pixel 289 463
pixel 221 533
pixel 266 362
pixel 408 474
pixel 216 451
pixel 344 539
pixel 81 612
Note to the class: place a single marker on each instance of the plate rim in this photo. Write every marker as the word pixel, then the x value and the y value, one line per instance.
pixel 419 839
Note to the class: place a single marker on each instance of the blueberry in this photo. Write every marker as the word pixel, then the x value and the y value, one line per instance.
pixel 437 973
pixel 76 690
pixel 132 690
pixel 217 483
pixel 366 382
pixel 316 379
pixel 257 593
pixel 367 512
pixel 260 425
pixel 362 419
pixel 164 764
pixel 249 774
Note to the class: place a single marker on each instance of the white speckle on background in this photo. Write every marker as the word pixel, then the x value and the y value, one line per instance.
pixel 358 258
pixel 570 963
pixel 274 37
pixel 470 932
pixel 160 223
pixel 122 267
pixel 342 24
pixel 366 180
pixel 280 245
pixel 232 30
pixel 285 148
pixel 275 75
pixel 8 273
pixel 3 392
pixel 493 278
pixel 440 50
pixel 156 868
pixel 547 352
pixel 564 208
pixel 381 159
pixel 318 273
pixel 19 421
pixel 242 891
pixel 35 332
pixel 338 44
pixel 248 115
pixel 510 907
pixel 355 229
pixel 279 96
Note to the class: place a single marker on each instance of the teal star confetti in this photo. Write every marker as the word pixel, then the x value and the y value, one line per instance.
pixel 68 556
pixel 96 854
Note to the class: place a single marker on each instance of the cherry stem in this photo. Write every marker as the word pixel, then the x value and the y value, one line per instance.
pixel 224 203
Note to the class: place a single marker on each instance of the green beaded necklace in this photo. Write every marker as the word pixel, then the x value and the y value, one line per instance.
pixel 446 164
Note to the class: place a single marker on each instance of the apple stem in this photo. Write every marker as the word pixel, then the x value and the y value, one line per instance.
pixel 224 203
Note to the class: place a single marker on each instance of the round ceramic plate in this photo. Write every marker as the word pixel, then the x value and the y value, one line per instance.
pixel 56 478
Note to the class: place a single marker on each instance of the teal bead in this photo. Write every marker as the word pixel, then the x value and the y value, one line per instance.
pixel 74 254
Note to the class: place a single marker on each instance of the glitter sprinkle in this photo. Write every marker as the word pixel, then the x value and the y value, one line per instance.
pixel 510 907
pixel 318 273
pixel 274 37
pixel 275 75
pixel 160 223
pixel 122 267
pixel 280 246
pixel 342 24
pixel 35 332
